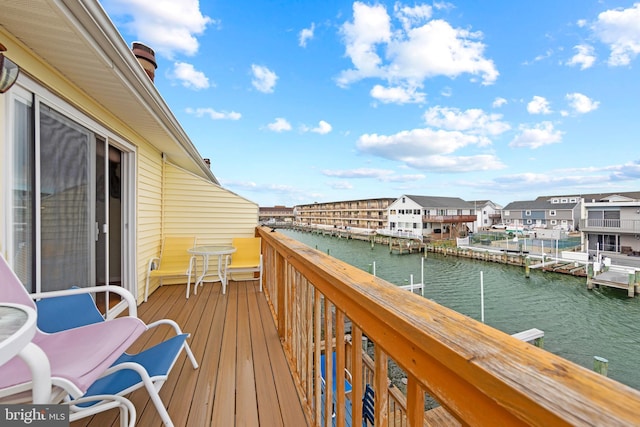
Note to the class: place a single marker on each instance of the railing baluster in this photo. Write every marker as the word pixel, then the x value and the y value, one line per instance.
pixel 356 373
pixel 280 286
pixel 415 402
pixel 308 349
pixel 381 378
pixel 317 337
pixel 328 363
pixel 340 357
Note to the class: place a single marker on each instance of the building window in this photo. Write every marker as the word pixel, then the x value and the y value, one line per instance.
pixel 552 213
pixel 553 222
pixel 555 201
pixel 527 213
pixel 403 200
pixel 506 213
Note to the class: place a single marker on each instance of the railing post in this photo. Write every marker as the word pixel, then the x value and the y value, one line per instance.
pixel 281 287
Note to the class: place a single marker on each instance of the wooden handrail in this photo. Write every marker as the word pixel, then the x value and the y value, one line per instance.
pixel 480 375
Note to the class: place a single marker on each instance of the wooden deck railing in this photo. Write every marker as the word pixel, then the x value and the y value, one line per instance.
pixel 479 375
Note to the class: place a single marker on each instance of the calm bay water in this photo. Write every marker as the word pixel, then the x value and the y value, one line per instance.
pixel 578 324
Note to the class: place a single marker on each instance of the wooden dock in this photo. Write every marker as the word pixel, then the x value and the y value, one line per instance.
pixel 616 279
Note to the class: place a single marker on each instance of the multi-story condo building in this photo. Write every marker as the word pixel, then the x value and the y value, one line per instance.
pixel 611 222
pixel 276 213
pixel 426 215
pixel 365 213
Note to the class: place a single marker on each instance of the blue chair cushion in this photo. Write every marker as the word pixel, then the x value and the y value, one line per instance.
pixel 156 360
pixel 67 312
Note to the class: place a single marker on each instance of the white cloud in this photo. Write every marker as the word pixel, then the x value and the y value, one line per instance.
pixel 384 175
pixel 537 136
pixel 214 114
pixel 474 121
pixel 438 49
pixel 584 57
pixel 358 173
pixel 371 26
pixel 280 125
pixel 498 102
pixel 306 34
pixel 410 17
pixel 340 185
pixel 323 128
pixel 263 78
pixel 169 27
pixel 189 76
pixel 405 178
pixel 581 104
pixel 397 95
pixel 620 30
pixel 416 51
pixel 429 149
pixel 457 164
pixel 538 105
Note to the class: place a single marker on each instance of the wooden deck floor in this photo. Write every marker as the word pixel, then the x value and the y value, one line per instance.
pixel 243 377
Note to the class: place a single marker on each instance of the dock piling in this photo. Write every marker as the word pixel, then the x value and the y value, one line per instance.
pixel 600 365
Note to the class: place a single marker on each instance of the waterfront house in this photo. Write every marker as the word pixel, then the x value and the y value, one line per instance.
pixel 433 216
pixel 488 213
pixel 549 212
pixel 87 140
pixel 611 222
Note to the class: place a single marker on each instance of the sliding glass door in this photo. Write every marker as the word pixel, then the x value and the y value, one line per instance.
pixel 67 216
pixel 67 202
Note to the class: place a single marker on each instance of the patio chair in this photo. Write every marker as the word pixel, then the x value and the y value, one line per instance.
pixel 348 379
pixel 246 259
pixel 69 320
pixel 368 406
pixel 65 310
pixel 77 357
pixel 174 261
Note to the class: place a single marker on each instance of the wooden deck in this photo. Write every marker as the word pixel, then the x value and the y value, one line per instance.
pixel 243 379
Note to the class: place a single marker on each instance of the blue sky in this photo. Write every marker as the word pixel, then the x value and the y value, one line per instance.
pixel 298 102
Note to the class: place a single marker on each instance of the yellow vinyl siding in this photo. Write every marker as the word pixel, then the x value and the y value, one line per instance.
pixel 196 207
pixel 149 203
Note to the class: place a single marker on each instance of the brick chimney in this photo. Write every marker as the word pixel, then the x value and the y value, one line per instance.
pixel 146 57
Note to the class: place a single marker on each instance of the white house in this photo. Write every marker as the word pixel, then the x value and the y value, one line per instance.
pixel 445 217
